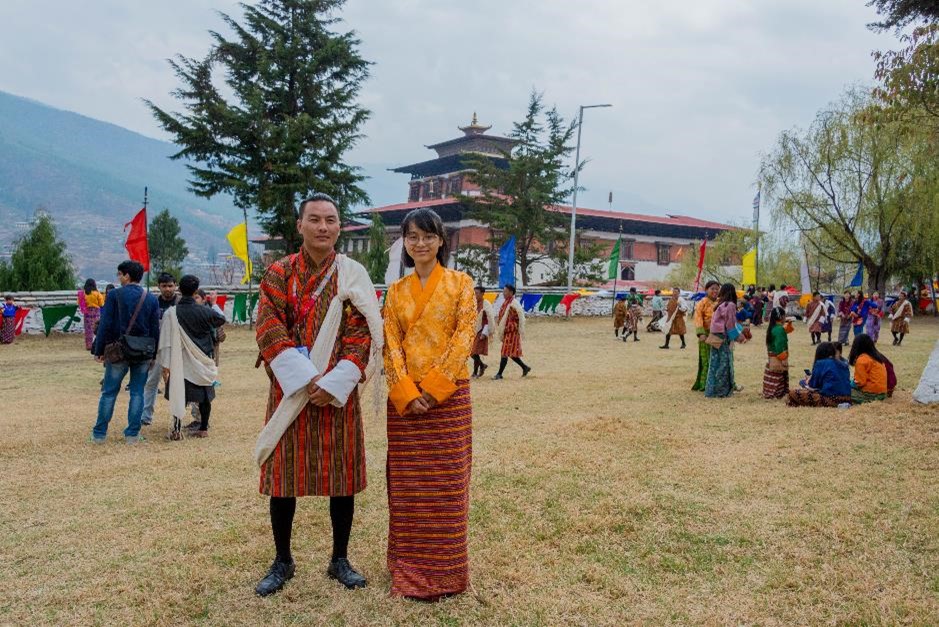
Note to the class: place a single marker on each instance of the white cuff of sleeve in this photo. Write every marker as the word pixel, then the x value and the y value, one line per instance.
pixel 485 331
pixel 340 381
pixel 293 370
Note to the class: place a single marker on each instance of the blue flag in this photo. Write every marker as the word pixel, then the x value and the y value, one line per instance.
pixel 858 279
pixel 507 263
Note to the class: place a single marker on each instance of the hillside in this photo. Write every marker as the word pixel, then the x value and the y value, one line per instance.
pixel 90 176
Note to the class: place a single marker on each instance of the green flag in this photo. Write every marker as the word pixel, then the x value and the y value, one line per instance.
pixel 240 309
pixel 614 262
pixel 52 315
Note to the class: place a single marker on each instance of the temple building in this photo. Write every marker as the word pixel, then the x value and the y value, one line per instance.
pixel 651 245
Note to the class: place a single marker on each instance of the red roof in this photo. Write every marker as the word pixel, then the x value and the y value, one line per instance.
pixel 670 220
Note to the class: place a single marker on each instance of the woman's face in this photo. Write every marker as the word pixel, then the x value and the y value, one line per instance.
pixel 507 293
pixel 198 298
pixel 421 245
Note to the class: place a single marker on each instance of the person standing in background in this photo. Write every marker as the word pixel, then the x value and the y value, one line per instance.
pixel 8 330
pixel 90 302
pixel 168 297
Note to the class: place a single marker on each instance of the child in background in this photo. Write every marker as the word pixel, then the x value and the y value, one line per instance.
pixel 8 328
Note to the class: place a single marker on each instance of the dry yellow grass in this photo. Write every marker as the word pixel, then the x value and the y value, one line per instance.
pixel 604 492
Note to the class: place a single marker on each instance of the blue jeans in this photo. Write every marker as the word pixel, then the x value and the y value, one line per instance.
pixel 154 376
pixel 113 378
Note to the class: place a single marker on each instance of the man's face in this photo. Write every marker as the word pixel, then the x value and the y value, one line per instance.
pixel 479 296
pixel 167 290
pixel 507 293
pixel 319 226
pixel 122 278
pixel 712 292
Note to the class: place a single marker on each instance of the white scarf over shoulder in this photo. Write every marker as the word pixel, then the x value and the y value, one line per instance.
pixel 500 329
pixel 354 286
pixel 485 312
pixel 185 360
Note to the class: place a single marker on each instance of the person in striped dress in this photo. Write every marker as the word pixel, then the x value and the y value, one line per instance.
pixel 322 452
pixel 430 320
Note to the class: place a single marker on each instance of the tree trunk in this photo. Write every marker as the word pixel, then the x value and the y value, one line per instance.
pixel 876 278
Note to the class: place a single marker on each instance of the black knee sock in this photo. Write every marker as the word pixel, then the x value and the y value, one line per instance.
pixel 282 511
pixel 616 331
pixel 668 338
pixel 900 341
pixel 521 363
pixel 205 409
pixel 341 510
pixel 502 363
pixel 682 340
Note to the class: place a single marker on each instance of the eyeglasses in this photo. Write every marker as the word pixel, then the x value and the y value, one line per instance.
pixel 414 238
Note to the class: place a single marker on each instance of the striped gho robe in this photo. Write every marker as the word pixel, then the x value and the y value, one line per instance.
pixel 323 452
pixel 429 332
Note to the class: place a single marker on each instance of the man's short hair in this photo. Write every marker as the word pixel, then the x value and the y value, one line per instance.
pixel 166 278
pixel 133 269
pixel 510 286
pixel 316 197
pixel 708 285
pixel 188 285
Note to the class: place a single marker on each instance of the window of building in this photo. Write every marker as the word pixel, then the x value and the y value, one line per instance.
pixel 626 249
pixel 663 254
pixel 627 273
pixel 414 194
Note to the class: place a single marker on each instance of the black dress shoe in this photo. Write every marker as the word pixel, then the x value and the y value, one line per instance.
pixel 341 570
pixel 277 576
pixel 525 371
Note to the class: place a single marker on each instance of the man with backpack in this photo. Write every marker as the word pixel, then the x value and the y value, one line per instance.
pixel 129 316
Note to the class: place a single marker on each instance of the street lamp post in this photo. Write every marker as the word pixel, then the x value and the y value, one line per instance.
pixel 570 251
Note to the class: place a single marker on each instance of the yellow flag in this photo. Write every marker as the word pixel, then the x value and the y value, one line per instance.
pixel 491 296
pixel 749 267
pixel 238 238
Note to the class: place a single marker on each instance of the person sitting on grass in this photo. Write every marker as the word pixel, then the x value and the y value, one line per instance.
pixel 870 372
pixel 829 384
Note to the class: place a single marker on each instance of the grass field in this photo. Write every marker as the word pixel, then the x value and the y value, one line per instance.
pixel 604 492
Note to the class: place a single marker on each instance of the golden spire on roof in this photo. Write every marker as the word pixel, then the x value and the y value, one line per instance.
pixel 475 128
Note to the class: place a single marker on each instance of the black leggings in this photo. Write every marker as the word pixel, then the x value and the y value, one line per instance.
pixel 478 364
pixel 341 512
pixel 205 409
pixel 505 360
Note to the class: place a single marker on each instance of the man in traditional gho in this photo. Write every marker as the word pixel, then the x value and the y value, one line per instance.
pixel 484 324
pixel 900 315
pixel 633 315
pixel 511 330
pixel 186 354
pixel 619 314
pixel 702 325
pixel 318 329
pixel 814 313
pixel 429 332
pixel 675 319
pixel 658 312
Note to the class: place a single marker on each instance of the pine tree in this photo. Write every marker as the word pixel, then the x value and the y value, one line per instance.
pixel 39 261
pixel 515 200
pixel 376 259
pixel 291 117
pixel 167 248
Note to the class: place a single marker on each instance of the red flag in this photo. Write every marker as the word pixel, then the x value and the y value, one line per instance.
pixel 136 243
pixel 701 251
pixel 20 318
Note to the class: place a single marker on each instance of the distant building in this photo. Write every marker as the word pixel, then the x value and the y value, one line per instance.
pixel 652 245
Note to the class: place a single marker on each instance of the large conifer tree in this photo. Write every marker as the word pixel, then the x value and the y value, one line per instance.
pixel 40 262
pixel 287 115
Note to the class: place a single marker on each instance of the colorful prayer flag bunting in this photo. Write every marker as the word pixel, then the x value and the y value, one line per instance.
pixel 54 314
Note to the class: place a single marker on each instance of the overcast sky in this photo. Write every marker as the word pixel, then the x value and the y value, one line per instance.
pixel 699 87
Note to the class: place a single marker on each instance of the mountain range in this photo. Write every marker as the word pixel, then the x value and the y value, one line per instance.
pixel 90 176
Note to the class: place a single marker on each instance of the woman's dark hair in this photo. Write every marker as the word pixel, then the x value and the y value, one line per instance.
pixel 188 285
pixel 772 287
pixel 428 221
pixel 859 295
pixel 825 350
pixel 816 293
pixel 864 345
pixel 728 293
pixel 90 286
pixel 775 317
pixel 133 269
pixel 708 285
pixel 480 288
pixel 201 292
pixel 838 346
pixel 510 286
pixel 109 287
